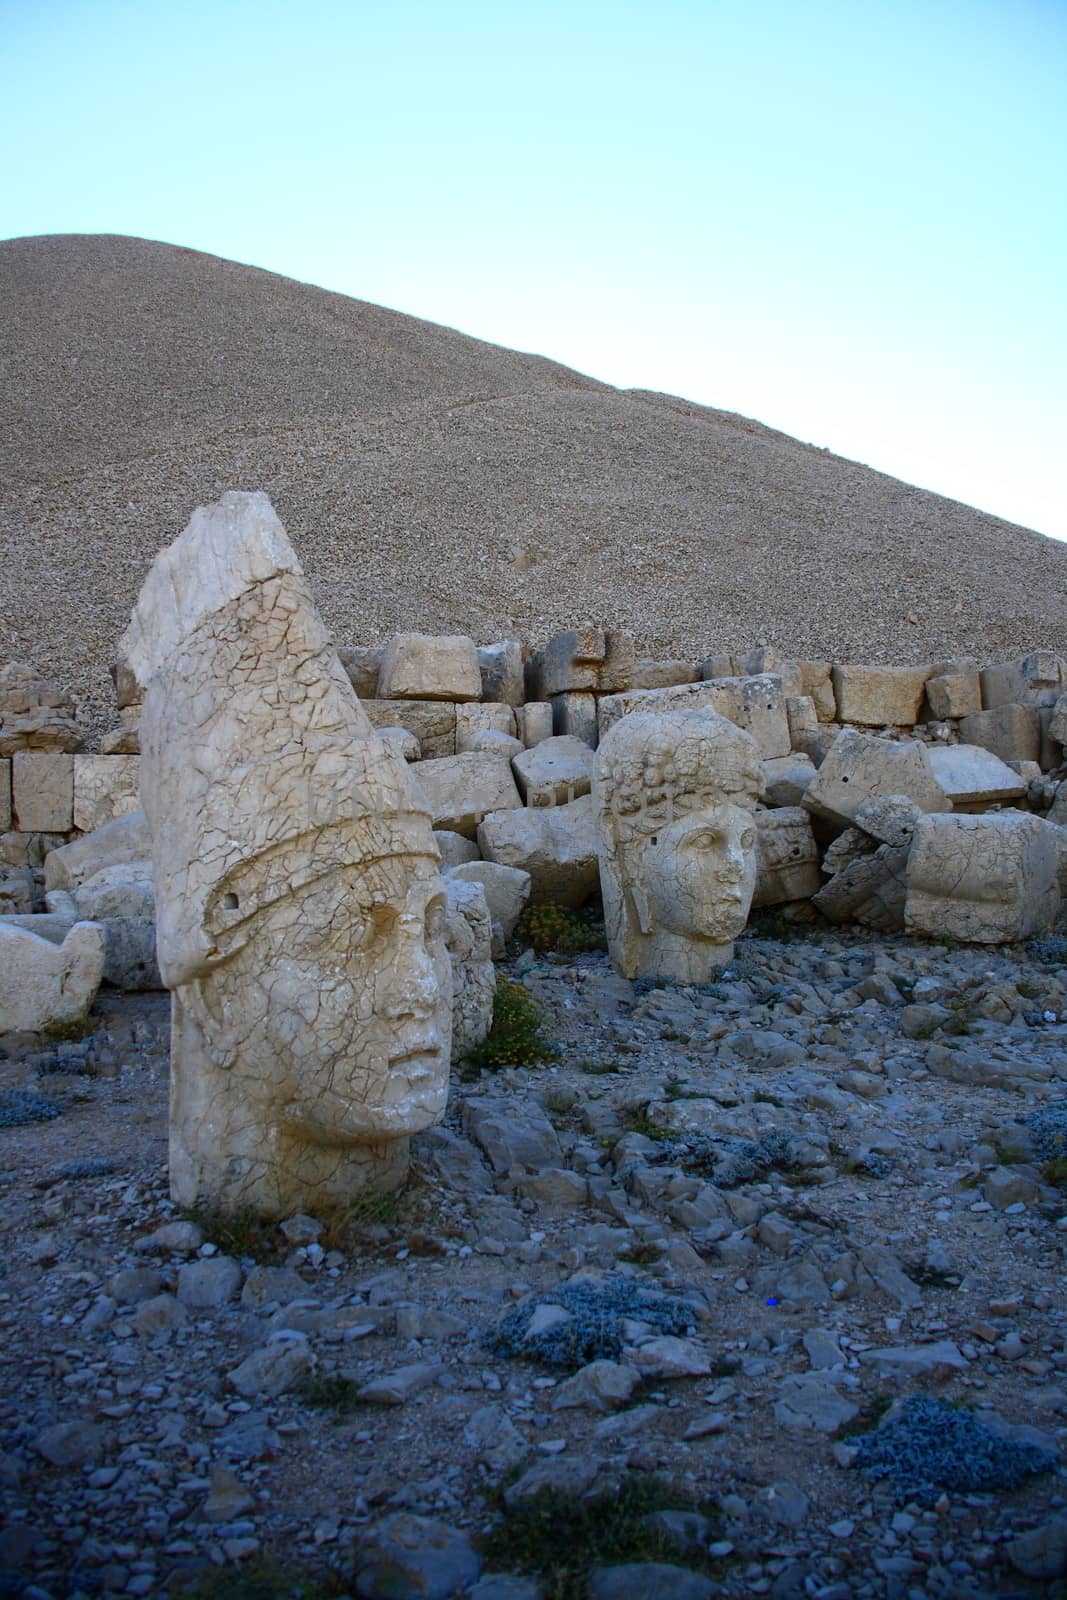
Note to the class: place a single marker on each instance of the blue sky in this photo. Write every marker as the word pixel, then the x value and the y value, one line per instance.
pixel 846 220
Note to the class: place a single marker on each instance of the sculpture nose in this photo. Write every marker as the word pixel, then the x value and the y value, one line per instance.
pixel 412 984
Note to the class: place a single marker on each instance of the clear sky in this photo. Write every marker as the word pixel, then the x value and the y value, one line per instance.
pixel 846 218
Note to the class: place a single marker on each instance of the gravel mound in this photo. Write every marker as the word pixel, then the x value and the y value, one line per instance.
pixel 930 1446
pixel 435 482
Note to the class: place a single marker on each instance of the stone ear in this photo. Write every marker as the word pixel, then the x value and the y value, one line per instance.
pixel 640 904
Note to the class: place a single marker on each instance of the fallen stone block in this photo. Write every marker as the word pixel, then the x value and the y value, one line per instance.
pixel 973 776
pixel 42 984
pixel 105 787
pixel 363 664
pixel 501 667
pixel 1037 679
pixel 816 681
pixel 589 658
pixel 1012 732
pixel 469 938
pixel 461 790
pixel 422 666
pixel 454 848
pixel 555 771
pixel 652 674
pixel 954 689
pixel 870 890
pixel 786 779
pixel 35 714
pixel 533 722
pixel 5 794
pixel 574 715
pixel 402 742
pixel 787 857
pixel 879 696
pixel 983 879
pixel 528 1140
pixel 802 719
pixel 42 792
pixel 478 717
pixel 755 704
pixel 117 843
pixel 556 845
pixel 433 722
pixel 860 766
pixel 507 890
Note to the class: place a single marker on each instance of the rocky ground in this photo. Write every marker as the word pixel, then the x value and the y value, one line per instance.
pixel 754 1219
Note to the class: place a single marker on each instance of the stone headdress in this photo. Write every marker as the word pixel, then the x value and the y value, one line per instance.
pixel 260 770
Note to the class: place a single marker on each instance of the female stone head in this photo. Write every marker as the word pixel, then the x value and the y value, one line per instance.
pixel 674 797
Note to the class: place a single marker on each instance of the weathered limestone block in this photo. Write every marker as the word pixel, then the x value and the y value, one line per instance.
pixel 1012 732
pixel 105 787
pixel 585 659
pixel 786 780
pixel 971 776
pixel 1037 679
pixel 460 790
pixel 127 839
pixel 888 819
pixel 507 891
pixel 454 848
pixel 879 696
pixel 125 740
pixel 300 908
pixel 129 946
pixel 816 681
pixel 954 689
pixel 433 722
pixel 673 801
pixel 1050 756
pixel 5 794
pixel 34 713
pixel 20 889
pixel 1057 725
pixel 401 743
pixel 652 674
pixel 491 743
pixel 556 845
pixel 468 934
pixel 41 983
pixel 533 722
pixel 575 716
pixel 482 717
pixel 42 792
pixel 720 665
pixel 787 857
pixel 984 880
pixel 869 890
pixel 128 692
pixel 503 678
pixel 423 666
pixel 803 722
pixel 123 890
pixel 861 766
pixel 755 704
pixel 363 664
pixel 766 659
pixel 555 771
pixel 28 849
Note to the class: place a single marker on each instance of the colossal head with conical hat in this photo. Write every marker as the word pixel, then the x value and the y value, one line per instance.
pixel 300 910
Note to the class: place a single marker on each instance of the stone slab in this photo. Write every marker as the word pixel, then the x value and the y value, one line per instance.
pixel 970 775
pixel 879 696
pixel 42 792
pixel 105 787
pixel 433 722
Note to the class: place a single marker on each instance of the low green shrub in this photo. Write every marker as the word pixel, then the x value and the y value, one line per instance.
pixel 515 1039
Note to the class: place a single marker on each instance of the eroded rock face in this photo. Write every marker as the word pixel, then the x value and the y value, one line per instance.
pixel 300 909
pixel 674 798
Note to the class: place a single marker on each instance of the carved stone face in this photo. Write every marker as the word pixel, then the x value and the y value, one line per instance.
pixel 337 1013
pixel 701 872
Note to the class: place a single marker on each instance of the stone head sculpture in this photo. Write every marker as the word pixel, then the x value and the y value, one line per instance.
pixel 674 798
pixel 300 910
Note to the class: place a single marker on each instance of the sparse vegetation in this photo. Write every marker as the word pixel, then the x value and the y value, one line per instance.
pixel 556 928
pixel 242 1235
pixel 263 1580
pixel 329 1391
pixel 515 1039
pixel 560 1539
pixel 71 1032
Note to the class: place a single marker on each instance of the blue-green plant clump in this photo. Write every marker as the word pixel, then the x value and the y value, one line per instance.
pixel 728 1161
pixel 1048 1130
pixel 20 1106
pixel 593 1330
pixel 930 1446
